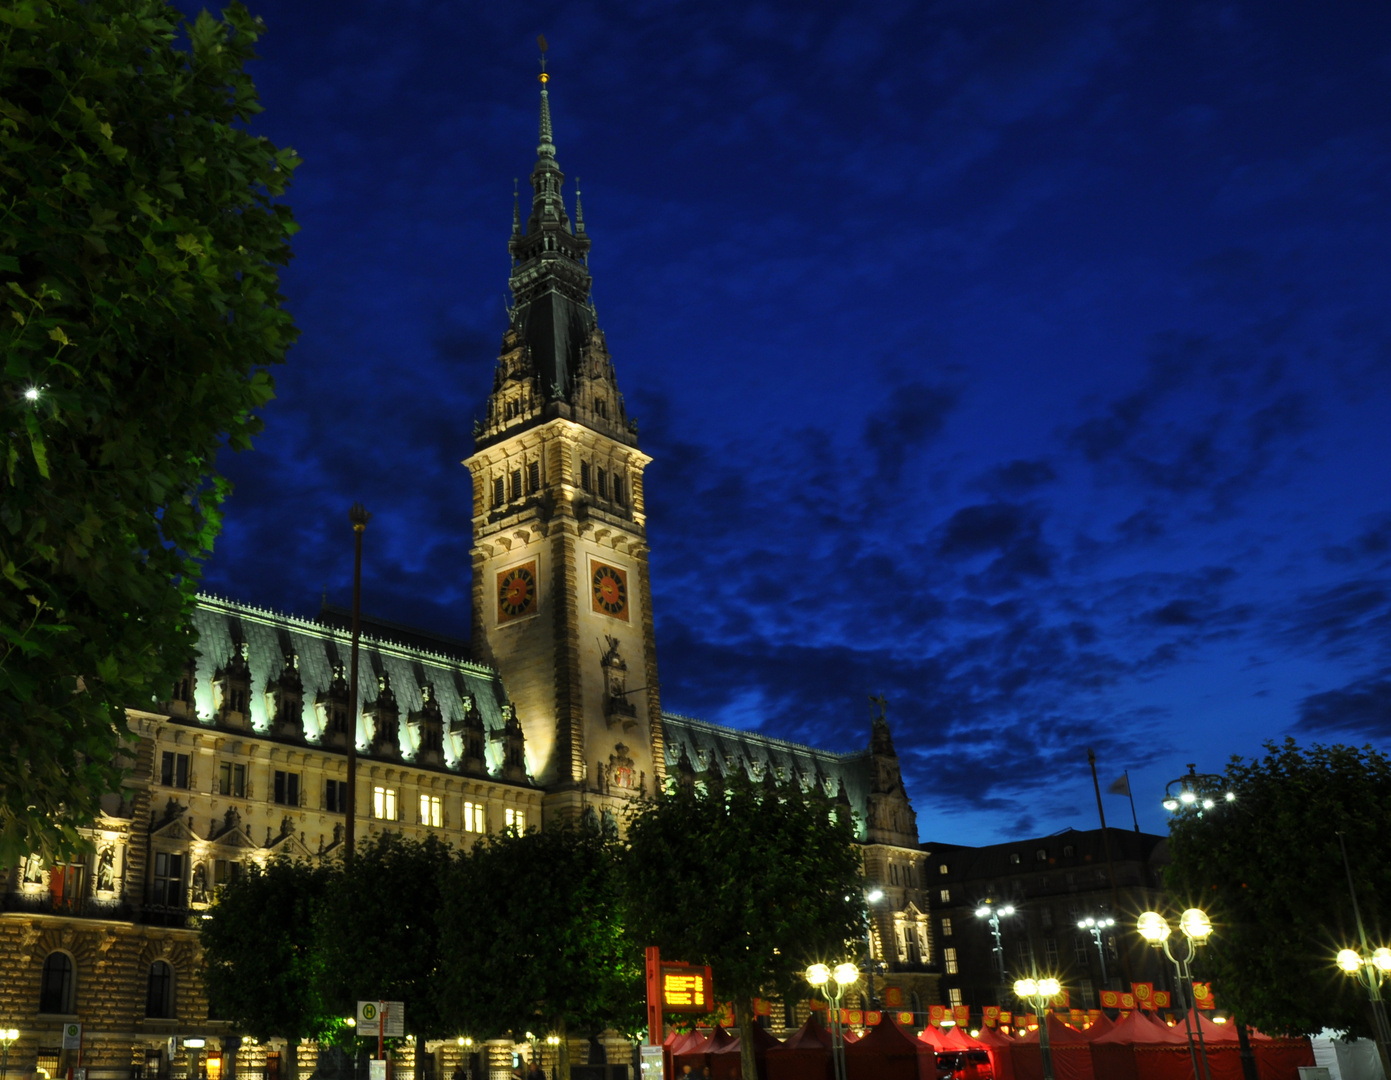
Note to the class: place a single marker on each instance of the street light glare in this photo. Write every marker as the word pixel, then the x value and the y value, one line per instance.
pixel 818 974
pixel 1231 796
pixel 875 895
pixel 1187 797
pixel 983 912
pixel 1171 804
pixel 1152 927
pixel 1195 923
pixel 1008 909
pixel 1049 987
pixel 1349 961
pixel 846 973
pixel 1382 959
pixel 1025 988
pixel 32 394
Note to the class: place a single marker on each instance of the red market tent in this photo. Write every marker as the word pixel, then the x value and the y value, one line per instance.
pixel 1100 1026
pixel 1114 1052
pixel 953 1038
pixel 696 1054
pixel 803 1055
pixel 997 1044
pixel 727 1060
pixel 678 1042
pixel 934 1038
pixel 887 1052
pixel 1068 1047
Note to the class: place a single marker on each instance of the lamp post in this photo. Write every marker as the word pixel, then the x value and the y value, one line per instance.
pixel 1195 792
pixel 1370 966
pixel 1038 993
pixel 359 518
pixel 832 985
pixel 871 898
pixel 7 1038
pixel 1196 928
pixel 992 914
pixel 1096 925
pixel 553 1041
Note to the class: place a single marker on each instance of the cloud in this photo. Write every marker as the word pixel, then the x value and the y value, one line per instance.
pixel 1362 708
pixel 911 417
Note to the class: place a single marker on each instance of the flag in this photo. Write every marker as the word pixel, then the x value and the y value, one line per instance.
pixel 1161 999
pixel 1110 999
pixel 992 1015
pixel 1144 994
pixel 1202 996
pixel 1127 1001
pixel 962 1015
pixel 1120 786
pixel 893 996
pixel 935 1014
pixel 907 1019
pixel 872 1017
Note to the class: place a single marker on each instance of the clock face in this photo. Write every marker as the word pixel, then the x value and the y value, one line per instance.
pixel 609 586
pixel 516 592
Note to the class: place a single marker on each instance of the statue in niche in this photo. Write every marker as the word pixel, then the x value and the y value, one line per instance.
pixel 619 772
pixel 198 893
pixel 617 707
pixel 106 869
pixel 33 870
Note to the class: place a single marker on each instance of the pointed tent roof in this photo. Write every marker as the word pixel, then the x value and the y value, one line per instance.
pixel 933 1037
pixel 762 1043
pixel 810 1036
pixel 1059 1033
pixel 1099 1027
pixel 887 1037
pixel 1137 1029
pixel 956 1039
pixel 1212 1033
pixel 990 1037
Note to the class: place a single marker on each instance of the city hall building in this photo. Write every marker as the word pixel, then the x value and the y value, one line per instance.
pixel 550 710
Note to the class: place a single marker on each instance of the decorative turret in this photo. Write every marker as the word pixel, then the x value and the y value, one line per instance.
pixel 427 728
pixel 287 700
pixel 332 706
pixel 386 720
pixel 470 734
pixel 233 686
pixel 513 747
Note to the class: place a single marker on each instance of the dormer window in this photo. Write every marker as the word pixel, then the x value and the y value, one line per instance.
pixel 601 408
pixel 513 410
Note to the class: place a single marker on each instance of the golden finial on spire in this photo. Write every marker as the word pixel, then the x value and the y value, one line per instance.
pixel 543 77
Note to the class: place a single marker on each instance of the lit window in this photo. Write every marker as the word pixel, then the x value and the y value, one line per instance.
pixel 954 996
pixel 286 788
pixel 1014 857
pixel 949 960
pixel 225 870
pixel 384 803
pixel 515 820
pixel 946 928
pixel 168 879
pixel 946 896
pixel 473 818
pixel 430 810
pixel 942 869
pixel 1041 855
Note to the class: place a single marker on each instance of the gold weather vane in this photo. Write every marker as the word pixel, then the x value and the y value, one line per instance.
pixel 543 77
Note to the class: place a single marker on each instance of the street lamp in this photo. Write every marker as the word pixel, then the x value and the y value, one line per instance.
pixel 871 898
pixel 832 985
pixel 1096 926
pixel 1038 993
pixel 988 911
pixel 1196 928
pixel 7 1037
pixel 1370 966
pixel 1195 792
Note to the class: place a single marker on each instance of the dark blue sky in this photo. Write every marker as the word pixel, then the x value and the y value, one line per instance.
pixel 1029 363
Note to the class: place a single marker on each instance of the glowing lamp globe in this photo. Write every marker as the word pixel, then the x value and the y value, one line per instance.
pixel 1187 798
pixel 1195 923
pixel 1152 927
pixel 982 912
pixel 1025 988
pixel 1382 959
pixel 1349 961
pixel 818 974
pixel 1049 987
pixel 1171 805
pixel 874 895
pixel 1008 909
pixel 846 973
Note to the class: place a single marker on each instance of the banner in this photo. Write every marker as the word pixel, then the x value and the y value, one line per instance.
pixel 906 1019
pixel 1006 1017
pixel 726 1011
pixel 1093 1015
pixel 1030 1020
pixel 992 1015
pixel 1161 999
pixel 1075 1017
pixel 1061 1001
pixel 962 1013
pixel 1202 996
pixel 817 1005
pixel 873 1017
pixel 762 1008
pixel 1127 1001
pixel 893 997
pixel 1144 994
pixel 935 1013
pixel 1110 999
pixel 853 1017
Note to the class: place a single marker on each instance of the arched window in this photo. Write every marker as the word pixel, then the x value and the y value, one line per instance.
pixel 55 986
pixel 159 994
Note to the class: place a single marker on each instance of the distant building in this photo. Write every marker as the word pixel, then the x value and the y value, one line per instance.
pixel 550 711
pixel 1053 883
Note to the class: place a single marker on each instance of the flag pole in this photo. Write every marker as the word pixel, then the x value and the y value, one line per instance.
pixel 1131 792
pixel 1110 865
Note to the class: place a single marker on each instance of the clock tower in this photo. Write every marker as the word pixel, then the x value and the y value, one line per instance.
pixel 562 604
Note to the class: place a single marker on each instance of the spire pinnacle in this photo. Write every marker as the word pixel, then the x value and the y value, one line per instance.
pixel 546 147
pixel 516 211
pixel 579 210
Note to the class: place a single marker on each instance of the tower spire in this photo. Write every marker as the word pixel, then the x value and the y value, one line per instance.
pixel 546 146
pixel 579 212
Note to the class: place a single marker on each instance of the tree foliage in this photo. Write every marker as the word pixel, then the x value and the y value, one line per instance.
pixel 1268 870
pixel 379 929
pixel 754 881
pixel 139 260
pixel 534 930
pixel 261 968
